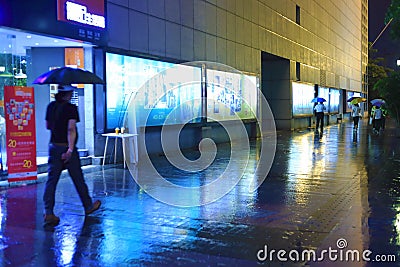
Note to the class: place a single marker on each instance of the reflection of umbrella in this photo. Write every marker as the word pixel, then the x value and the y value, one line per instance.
pixel 356 99
pixel 377 102
pixel 318 99
pixel 67 75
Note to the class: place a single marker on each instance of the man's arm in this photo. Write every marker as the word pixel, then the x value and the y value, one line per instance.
pixel 71 134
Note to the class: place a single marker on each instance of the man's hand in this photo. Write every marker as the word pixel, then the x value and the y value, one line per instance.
pixel 66 156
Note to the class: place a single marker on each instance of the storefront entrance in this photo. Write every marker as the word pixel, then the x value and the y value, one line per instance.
pixel 23 57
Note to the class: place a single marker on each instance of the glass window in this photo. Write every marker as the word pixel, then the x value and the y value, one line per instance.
pixel 231 95
pixel 163 92
pixel 302 96
pixel 324 93
pixel 349 95
pixel 334 100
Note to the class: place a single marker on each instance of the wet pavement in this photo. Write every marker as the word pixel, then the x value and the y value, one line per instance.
pixel 326 201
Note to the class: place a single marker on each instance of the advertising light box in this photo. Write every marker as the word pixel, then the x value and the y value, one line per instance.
pixel 350 94
pixel 158 92
pixel 324 93
pixel 231 96
pixel 334 100
pixel 332 97
pixel 302 96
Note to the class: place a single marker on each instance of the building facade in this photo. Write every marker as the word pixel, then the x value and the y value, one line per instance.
pixel 295 49
pixel 316 42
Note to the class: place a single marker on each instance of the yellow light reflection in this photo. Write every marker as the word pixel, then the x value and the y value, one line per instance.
pixel 397 224
pixel 307 160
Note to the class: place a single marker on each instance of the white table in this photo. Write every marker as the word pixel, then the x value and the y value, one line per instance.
pixel 123 137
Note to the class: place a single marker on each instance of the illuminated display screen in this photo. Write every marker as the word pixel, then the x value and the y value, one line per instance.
pixel 334 100
pixel 332 97
pixel 86 12
pixel 155 92
pixel 302 96
pixel 324 93
pixel 349 95
pixel 231 96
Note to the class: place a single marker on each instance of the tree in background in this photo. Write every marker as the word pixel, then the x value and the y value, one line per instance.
pixel 389 89
pixel 375 72
pixel 393 17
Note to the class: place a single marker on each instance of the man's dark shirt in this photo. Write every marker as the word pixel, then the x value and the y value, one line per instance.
pixel 57 115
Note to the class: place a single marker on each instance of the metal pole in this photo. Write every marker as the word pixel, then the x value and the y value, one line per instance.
pixel 379 35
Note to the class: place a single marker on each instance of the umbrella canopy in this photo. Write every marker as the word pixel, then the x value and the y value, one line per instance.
pixel 318 99
pixel 356 99
pixel 377 102
pixel 67 75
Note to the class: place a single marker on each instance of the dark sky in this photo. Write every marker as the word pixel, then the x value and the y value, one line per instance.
pixel 387 48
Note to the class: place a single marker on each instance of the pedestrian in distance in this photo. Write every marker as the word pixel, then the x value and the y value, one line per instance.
pixel 372 117
pixel 356 114
pixel 378 120
pixel 319 113
pixel 384 115
pixel 61 119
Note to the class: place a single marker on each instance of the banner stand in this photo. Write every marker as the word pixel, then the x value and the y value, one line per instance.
pixel 19 111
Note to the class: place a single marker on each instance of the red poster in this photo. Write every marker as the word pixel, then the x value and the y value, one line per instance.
pixel 20 133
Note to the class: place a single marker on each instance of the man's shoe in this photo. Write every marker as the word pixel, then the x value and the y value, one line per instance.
pixel 51 220
pixel 96 206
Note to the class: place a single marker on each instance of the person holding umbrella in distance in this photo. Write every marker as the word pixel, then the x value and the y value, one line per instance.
pixel 379 103
pixel 319 113
pixel 356 111
pixel 61 119
pixel 356 114
pixel 378 115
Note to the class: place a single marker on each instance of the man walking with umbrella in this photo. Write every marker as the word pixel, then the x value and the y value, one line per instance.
pixel 356 114
pixel 319 112
pixel 378 120
pixel 61 119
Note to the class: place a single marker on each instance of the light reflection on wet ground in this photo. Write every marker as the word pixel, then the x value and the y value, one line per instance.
pixel 344 185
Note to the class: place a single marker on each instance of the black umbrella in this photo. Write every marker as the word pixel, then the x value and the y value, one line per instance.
pixel 67 75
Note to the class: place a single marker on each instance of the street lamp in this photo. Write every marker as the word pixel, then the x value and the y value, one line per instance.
pixel 398 62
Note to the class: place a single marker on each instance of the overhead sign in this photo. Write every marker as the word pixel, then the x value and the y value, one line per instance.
pixel 83 20
pixel 86 12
